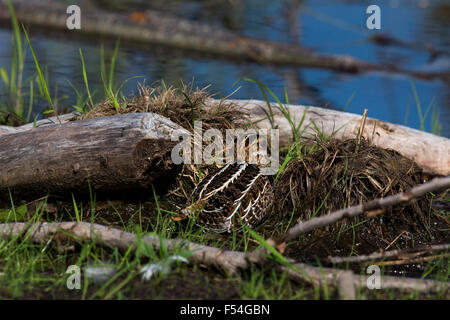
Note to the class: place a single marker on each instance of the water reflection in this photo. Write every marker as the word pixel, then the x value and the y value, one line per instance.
pixel 333 27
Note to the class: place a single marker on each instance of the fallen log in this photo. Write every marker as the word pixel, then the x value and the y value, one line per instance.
pixel 122 152
pixel 60 119
pixel 430 152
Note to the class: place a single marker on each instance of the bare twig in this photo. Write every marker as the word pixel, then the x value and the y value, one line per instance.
pixel 396 238
pixel 389 254
pixel 411 260
pixel 229 261
pixel 416 192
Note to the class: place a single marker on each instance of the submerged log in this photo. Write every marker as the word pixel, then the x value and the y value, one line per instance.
pixel 153 27
pixel 123 152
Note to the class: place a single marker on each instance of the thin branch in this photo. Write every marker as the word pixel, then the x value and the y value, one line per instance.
pixel 412 260
pixel 230 261
pixel 389 254
pixel 372 207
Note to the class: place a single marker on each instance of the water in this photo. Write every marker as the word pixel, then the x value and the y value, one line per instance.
pixel 330 27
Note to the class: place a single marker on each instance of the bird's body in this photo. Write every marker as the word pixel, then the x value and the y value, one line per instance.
pixel 231 196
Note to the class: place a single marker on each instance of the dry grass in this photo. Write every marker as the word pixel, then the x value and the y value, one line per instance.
pixel 181 105
pixel 341 174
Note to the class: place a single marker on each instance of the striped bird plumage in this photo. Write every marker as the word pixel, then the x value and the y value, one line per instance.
pixel 227 197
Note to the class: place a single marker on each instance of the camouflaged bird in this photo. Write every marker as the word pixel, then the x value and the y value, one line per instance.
pixel 231 196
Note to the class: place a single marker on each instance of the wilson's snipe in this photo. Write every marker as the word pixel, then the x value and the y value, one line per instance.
pixel 231 196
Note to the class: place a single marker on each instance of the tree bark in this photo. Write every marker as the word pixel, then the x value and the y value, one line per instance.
pixel 123 152
pixel 430 152
pixel 60 119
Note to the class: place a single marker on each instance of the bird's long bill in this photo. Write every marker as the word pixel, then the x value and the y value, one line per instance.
pixel 179 217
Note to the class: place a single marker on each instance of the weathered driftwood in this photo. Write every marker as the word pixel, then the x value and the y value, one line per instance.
pixel 429 151
pixel 331 277
pixel 229 261
pixel 152 27
pixel 123 152
pixel 38 124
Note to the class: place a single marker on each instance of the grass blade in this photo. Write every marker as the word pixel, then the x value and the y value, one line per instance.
pixel 83 65
pixel 38 68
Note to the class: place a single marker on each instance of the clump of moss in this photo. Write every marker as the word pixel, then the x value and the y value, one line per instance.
pixel 340 174
pixel 181 105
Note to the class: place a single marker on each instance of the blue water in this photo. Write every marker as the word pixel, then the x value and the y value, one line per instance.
pixel 330 27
